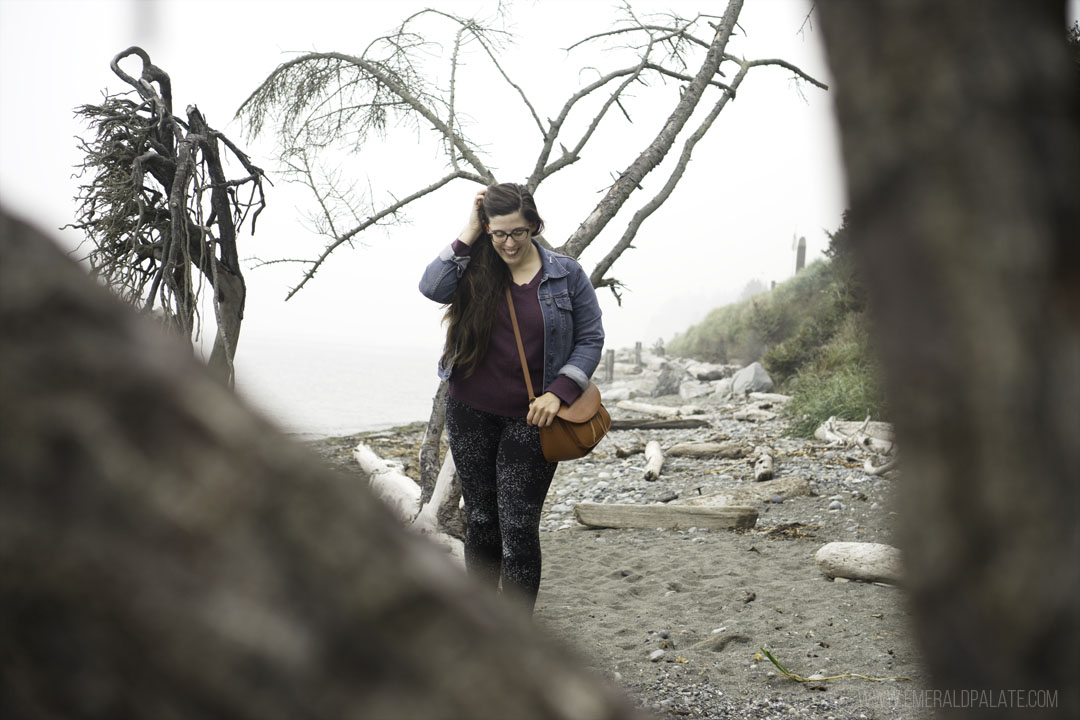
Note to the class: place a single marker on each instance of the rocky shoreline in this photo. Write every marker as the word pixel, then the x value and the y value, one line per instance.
pixel 678 618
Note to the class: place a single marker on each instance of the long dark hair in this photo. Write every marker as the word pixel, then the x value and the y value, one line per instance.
pixel 472 311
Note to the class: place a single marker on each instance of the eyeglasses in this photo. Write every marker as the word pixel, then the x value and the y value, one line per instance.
pixel 519 234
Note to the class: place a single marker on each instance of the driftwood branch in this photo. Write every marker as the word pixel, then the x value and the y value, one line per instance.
pixel 654 460
pixel 633 448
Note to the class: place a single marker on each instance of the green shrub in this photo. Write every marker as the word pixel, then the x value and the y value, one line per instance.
pixel 745 331
pixel 850 393
pixel 810 334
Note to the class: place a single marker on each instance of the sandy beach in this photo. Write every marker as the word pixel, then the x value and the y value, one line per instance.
pixel 711 600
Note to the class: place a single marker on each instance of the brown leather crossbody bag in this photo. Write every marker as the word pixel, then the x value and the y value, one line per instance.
pixel 577 428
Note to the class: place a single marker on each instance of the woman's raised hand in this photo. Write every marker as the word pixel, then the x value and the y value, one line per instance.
pixel 474 226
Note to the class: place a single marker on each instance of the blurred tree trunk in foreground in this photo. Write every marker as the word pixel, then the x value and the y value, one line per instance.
pixel 166 554
pixel 961 140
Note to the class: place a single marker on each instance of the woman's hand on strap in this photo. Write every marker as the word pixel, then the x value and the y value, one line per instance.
pixel 543 409
pixel 474 227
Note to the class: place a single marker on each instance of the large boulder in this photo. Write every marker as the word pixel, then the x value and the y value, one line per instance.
pixel 751 378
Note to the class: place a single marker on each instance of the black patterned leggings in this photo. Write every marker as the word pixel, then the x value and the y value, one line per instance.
pixel 504 480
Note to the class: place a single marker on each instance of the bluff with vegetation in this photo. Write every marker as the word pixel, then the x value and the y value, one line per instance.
pixel 810 333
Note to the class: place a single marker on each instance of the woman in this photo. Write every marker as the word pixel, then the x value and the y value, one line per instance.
pixel 493 429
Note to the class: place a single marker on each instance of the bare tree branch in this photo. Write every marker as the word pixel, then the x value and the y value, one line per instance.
pixel 601 269
pixel 658 148
pixel 788 66
pixel 374 219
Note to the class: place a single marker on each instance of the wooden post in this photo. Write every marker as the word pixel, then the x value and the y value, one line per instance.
pixel 637 353
pixel 800 255
pixel 609 366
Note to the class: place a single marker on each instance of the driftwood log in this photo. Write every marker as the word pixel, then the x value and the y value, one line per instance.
pixel 763 463
pixel 872 435
pixel 389 483
pixel 635 447
pixel 869 562
pixel 664 411
pixel 754 493
pixel 654 460
pixel 671 517
pixel 166 553
pixel 760 399
pixel 676 424
pixel 753 414
pixel 707 450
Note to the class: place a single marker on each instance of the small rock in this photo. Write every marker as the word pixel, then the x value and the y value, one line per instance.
pixel 655 655
pixel 778 499
pixel 667 496
pixel 836 505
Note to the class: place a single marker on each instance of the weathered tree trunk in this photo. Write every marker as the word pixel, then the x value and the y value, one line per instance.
pixel 226 278
pixel 961 138
pixel 165 553
pixel 230 294
pixel 430 447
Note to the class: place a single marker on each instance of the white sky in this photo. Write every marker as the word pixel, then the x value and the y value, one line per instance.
pixel 768 169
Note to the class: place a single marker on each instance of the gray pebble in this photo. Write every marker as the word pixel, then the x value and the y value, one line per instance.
pixel 836 505
pixel 655 655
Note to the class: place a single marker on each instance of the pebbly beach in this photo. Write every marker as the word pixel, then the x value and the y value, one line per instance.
pixel 684 619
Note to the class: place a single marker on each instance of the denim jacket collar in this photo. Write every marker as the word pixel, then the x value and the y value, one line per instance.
pixel 551 262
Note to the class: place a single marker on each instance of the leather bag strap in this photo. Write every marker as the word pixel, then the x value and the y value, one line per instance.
pixel 520 346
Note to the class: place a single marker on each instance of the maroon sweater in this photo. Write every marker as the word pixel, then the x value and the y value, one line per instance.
pixel 497 385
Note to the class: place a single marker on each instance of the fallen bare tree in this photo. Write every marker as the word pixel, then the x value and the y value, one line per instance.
pixel 166 553
pixel 157 207
pixel 960 124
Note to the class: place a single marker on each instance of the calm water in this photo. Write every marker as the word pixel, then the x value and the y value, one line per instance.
pixel 320 389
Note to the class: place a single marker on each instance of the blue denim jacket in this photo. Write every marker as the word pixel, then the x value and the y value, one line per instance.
pixel 573 333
